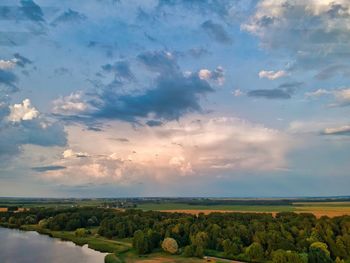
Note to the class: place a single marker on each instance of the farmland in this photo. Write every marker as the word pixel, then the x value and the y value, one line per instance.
pixel 317 208
pixel 240 229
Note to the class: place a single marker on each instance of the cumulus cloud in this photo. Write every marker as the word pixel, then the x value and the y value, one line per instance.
pixel 189 148
pixel 314 32
pixel 70 105
pixel 21 124
pixel 216 32
pixel 23 111
pixel 272 75
pixel 7 64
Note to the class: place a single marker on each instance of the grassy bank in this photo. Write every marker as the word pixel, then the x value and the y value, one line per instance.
pixel 93 241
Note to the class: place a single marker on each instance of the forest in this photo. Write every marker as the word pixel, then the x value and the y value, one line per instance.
pixel 251 237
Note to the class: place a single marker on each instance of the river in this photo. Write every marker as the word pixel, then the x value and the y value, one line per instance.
pixel 18 246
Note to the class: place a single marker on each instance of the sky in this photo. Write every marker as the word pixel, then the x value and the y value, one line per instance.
pixel 122 98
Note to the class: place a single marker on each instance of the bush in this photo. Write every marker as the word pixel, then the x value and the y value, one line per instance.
pixel 170 245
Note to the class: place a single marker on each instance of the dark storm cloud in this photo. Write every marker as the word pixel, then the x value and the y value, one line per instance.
pixel 120 69
pixel 14 135
pixel 216 32
pixel 172 96
pixel 28 10
pixel 284 91
pixel 159 61
pixel 69 16
pixel 154 123
pixel 291 86
pixel 8 79
pixel 43 169
pixel 31 10
pixel 21 60
pixel 270 94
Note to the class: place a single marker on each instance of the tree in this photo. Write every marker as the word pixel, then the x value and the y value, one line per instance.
pixel 80 232
pixel 170 245
pixel 282 256
pixel 322 246
pixel 140 242
pixel 317 255
pixel 255 252
pixel 231 248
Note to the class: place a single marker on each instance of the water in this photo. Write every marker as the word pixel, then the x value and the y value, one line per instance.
pixel 30 247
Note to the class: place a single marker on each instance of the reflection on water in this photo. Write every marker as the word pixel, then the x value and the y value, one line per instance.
pixel 27 247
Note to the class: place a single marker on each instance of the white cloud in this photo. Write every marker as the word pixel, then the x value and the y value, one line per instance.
pixel 341 96
pixel 7 64
pixel 189 148
pixel 237 93
pixel 337 130
pixel 69 153
pixel 217 75
pixel 71 104
pixel 317 93
pixel 204 74
pixel 272 75
pixel 22 111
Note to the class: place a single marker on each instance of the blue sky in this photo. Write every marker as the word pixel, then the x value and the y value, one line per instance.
pixel 174 98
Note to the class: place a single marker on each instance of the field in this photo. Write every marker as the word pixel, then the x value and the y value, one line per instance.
pixel 319 209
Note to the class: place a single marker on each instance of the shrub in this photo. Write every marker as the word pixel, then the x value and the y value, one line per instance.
pixel 170 245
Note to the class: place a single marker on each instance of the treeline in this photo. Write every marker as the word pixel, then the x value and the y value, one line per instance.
pixel 287 237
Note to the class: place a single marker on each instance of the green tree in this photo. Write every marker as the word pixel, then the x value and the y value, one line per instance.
pixel 282 256
pixel 140 243
pixel 255 252
pixel 318 255
pixel 80 232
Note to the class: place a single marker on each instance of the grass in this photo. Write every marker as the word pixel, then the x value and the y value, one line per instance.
pixel 97 243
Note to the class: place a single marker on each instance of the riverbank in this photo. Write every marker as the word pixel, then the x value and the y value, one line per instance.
pixel 93 240
pixel 18 246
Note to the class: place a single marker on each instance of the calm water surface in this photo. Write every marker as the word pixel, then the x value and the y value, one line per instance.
pixel 30 247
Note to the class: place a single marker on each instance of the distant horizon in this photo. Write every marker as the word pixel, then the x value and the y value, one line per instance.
pixel 186 197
